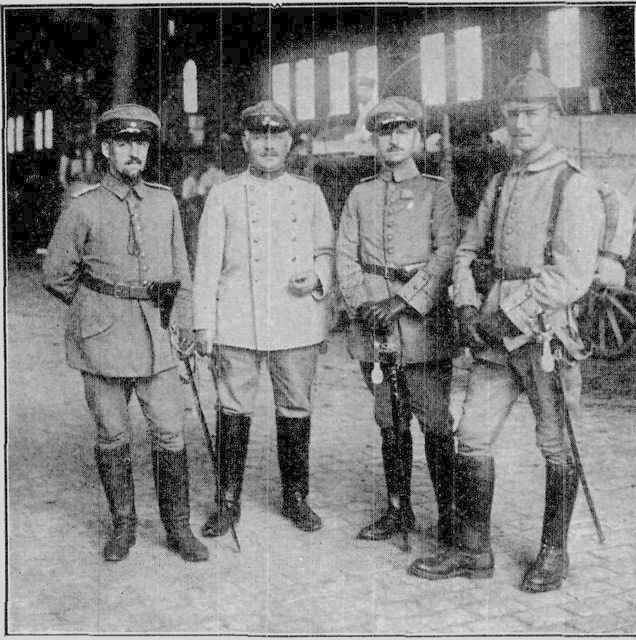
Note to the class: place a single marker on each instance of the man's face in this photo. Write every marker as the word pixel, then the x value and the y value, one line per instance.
pixel 364 92
pixel 127 157
pixel 397 142
pixel 267 150
pixel 529 126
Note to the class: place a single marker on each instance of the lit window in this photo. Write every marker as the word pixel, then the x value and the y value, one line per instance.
pixel 38 127
pixel 11 135
pixel 339 83
pixel 367 67
pixel 280 85
pixel 171 28
pixel 19 133
pixel 468 64
pixel 48 129
pixel 565 47
pixel 433 69
pixel 190 99
pixel 305 90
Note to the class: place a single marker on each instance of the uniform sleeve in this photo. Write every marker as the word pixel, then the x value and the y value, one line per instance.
pixel 183 302
pixel 577 236
pixel 65 253
pixel 464 291
pixel 348 269
pixel 423 291
pixel 323 241
pixel 209 261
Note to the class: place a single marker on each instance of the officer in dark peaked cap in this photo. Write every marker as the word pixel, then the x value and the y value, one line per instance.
pixel 394 253
pixel 117 257
pixel 263 271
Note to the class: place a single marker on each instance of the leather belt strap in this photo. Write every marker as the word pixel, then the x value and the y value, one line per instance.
pixel 119 290
pixel 390 273
pixel 513 272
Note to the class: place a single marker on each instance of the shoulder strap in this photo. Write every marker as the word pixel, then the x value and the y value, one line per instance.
pixel 559 187
pixel 489 242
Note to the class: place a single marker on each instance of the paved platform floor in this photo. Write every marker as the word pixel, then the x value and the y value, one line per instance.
pixel 286 581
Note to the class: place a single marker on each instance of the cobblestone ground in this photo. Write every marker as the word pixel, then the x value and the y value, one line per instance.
pixel 286 581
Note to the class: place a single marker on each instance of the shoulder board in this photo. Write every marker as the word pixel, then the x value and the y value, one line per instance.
pixel 432 177
pixel 86 189
pixel 369 178
pixel 156 185
pixel 575 166
pixel 233 176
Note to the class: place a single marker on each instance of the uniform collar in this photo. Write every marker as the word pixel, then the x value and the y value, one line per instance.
pixel 551 157
pixel 406 171
pixel 120 189
pixel 264 175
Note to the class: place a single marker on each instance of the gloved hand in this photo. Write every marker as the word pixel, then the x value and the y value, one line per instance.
pixel 304 283
pixel 469 336
pixel 380 315
pixel 496 326
pixel 185 342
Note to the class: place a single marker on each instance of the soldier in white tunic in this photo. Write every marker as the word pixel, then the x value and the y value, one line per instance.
pixel 263 270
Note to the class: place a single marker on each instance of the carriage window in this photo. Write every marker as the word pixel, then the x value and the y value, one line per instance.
pixel 305 90
pixel 280 85
pixel 565 47
pixel 190 99
pixel 38 126
pixel 19 133
pixel 48 129
pixel 11 135
pixel 468 64
pixel 367 67
pixel 171 28
pixel 433 69
pixel 339 83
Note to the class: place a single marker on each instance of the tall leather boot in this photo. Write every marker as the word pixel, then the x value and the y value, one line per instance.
pixel 398 502
pixel 172 484
pixel 232 436
pixel 472 557
pixel 292 437
pixel 115 472
pixel 440 457
pixel 550 568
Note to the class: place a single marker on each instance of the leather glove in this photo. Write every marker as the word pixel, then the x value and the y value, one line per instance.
pixel 496 326
pixel 185 345
pixel 469 336
pixel 387 310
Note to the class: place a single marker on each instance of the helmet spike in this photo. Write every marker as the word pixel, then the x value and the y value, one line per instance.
pixel 534 63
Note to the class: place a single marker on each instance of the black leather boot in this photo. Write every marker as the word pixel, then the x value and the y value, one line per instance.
pixel 233 434
pixel 472 557
pixel 115 472
pixel 398 506
pixel 172 484
pixel 550 568
pixel 440 457
pixel 292 437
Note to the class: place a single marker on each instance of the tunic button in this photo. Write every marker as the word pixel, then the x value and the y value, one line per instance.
pixel 255 240
pixel 294 259
pixel 145 268
pixel 389 250
pixel 293 238
pixel 389 237
pixel 389 224
pixel 138 227
pixel 294 219
pixel 145 283
pixel 142 254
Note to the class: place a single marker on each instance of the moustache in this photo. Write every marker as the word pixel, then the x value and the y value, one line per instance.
pixel 133 161
pixel 394 148
pixel 269 154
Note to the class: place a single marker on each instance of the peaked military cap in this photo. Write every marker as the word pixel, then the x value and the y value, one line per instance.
pixel 532 87
pixel 128 120
pixel 394 109
pixel 267 115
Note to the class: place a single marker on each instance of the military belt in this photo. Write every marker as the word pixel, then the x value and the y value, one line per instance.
pixel 390 273
pixel 119 290
pixel 513 272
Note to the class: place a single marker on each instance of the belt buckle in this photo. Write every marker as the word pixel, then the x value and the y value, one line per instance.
pixel 120 288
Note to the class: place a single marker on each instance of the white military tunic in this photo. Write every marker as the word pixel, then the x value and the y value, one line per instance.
pixel 255 235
